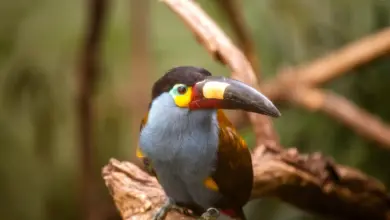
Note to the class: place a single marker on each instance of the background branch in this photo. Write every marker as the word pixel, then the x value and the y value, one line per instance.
pixel 233 13
pixel 329 67
pixel 340 108
pixel 88 75
pixel 325 69
pixel 294 85
pixel 141 65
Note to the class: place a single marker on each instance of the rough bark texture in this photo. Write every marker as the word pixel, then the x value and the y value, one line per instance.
pixel 317 185
pixel 310 182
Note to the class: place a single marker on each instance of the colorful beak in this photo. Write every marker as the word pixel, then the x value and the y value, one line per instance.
pixel 225 93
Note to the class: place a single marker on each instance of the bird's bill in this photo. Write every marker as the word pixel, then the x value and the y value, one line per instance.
pixel 217 92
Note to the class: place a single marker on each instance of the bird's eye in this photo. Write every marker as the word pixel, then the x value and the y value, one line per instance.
pixel 181 90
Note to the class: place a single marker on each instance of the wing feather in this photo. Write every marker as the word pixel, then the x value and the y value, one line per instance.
pixel 234 172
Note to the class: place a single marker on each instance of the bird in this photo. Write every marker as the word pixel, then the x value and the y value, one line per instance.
pixel 202 163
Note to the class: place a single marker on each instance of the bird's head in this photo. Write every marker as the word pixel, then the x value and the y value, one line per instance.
pixel 195 88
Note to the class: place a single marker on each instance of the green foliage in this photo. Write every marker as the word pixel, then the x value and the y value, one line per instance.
pixel 39 57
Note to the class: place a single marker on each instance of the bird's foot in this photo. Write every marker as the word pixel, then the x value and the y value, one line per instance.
pixel 210 214
pixel 168 206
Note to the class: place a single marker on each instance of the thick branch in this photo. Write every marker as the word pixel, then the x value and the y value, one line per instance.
pixel 340 108
pixel 220 47
pixel 136 194
pixel 309 182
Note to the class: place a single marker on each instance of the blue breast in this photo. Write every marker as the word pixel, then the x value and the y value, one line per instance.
pixel 182 146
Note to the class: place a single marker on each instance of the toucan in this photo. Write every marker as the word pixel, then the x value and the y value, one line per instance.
pixel 202 163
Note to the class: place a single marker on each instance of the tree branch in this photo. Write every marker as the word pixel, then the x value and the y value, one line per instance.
pixel 309 182
pixel 326 68
pixel 136 194
pixel 233 12
pixel 88 74
pixel 341 109
pixel 318 185
pixel 141 65
pixel 294 85
pixel 329 67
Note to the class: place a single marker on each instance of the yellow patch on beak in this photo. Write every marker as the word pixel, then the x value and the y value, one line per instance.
pixel 184 99
pixel 214 90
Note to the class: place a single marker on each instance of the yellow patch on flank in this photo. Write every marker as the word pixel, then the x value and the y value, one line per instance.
pixel 185 99
pixel 214 90
pixel 139 153
pixel 243 143
pixel 211 184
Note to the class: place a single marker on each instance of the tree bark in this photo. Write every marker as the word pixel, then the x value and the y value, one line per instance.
pixel 310 182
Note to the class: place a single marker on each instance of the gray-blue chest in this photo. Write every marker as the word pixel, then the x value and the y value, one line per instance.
pixel 182 146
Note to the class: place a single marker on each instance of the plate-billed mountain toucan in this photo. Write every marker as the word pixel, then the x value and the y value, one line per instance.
pixel 198 157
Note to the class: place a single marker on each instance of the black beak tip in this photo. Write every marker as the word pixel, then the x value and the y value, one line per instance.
pixel 268 109
pixel 277 114
pixel 272 111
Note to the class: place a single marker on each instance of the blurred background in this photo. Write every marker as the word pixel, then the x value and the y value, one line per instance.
pixel 44 167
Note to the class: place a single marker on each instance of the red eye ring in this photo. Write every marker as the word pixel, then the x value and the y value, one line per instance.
pixel 181 90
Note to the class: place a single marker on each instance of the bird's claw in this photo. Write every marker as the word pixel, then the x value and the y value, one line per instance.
pixel 162 212
pixel 210 214
pixel 168 206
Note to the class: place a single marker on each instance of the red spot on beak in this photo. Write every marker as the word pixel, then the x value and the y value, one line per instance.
pixel 198 101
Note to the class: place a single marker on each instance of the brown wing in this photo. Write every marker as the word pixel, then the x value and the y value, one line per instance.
pixel 139 153
pixel 234 172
